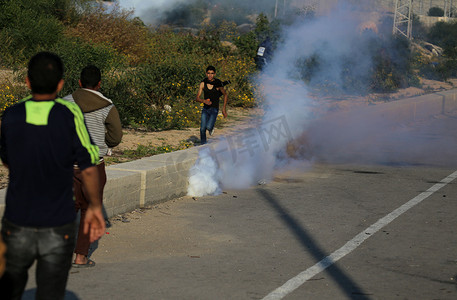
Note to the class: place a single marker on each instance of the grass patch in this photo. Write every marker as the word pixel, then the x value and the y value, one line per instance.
pixel 144 151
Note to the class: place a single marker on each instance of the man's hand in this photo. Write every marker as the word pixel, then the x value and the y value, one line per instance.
pixel 207 102
pixel 94 223
pixel 224 113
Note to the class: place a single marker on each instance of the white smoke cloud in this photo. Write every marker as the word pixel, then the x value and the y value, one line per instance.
pixel 140 5
pixel 204 179
pixel 253 155
pixel 152 12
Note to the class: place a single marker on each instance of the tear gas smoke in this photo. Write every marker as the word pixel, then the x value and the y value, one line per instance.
pixel 252 155
pixel 291 114
pixel 205 170
pixel 151 12
pixel 155 12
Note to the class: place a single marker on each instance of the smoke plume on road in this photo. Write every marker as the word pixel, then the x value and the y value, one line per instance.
pixel 252 155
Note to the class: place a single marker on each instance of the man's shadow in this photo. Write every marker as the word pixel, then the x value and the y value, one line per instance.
pixel 30 295
pixel 193 139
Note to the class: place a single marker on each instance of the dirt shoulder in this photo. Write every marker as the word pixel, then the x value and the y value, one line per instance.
pixel 133 138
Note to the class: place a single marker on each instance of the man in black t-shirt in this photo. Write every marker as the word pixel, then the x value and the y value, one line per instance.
pixel 42 136
pixel 212 89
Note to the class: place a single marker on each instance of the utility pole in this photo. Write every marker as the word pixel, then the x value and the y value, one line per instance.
pixel 283 8
pixel 448 8
pixel 276 9
pixel 403 18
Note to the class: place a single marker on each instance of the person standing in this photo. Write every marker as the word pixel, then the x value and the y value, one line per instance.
pixel 41 138
pixel 104 126
pixel 212 89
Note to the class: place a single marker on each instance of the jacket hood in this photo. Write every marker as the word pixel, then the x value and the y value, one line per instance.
pixel 89 100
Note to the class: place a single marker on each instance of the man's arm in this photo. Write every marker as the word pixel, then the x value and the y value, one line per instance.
pixel 200 90
pixel 94 222
pixel 113 135
pixel 224 107
pixel 2 257
pixel 3 151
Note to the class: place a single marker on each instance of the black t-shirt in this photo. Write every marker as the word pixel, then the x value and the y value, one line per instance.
pixel 212 94
pixel 40 141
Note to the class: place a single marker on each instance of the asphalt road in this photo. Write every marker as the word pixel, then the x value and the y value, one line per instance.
pixel 355 224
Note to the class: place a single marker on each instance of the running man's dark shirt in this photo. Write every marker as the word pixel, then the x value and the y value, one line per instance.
pixel 212 94
pixel 40 141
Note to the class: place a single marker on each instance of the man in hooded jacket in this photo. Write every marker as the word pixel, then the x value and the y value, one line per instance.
pixel 104 126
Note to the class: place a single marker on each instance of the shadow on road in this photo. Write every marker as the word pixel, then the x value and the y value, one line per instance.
pixel 346 284
pixel 30 295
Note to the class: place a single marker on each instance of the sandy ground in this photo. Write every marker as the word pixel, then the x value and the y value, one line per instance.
pixel 132 138
pixel 239 118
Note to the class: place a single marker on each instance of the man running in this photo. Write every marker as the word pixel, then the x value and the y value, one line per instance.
pixel 212 89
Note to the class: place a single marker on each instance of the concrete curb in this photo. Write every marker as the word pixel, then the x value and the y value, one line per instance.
pixel 164 177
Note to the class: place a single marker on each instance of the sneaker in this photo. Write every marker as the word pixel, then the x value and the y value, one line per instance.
pixel 211 131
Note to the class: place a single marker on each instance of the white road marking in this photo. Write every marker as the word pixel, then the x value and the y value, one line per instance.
pixel 295 282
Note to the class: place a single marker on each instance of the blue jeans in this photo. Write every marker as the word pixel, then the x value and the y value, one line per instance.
pixel 209 116
pixel 52 247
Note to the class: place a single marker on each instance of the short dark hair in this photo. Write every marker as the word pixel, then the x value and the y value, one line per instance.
pixel 45 70
pixel 90 76
pixel 211 68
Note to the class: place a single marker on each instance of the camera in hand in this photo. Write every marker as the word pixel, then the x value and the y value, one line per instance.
pixel 224 83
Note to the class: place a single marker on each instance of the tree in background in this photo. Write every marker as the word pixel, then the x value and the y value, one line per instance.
pixel 248 43
pixel 435 12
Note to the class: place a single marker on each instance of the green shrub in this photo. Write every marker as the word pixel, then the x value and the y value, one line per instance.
pixel 436 12
pixel 76 54
pixel 149 150
pixel 27 27
pixel 247 44
pixel 7 97
pixel 10 94
pixel 393 66
pixel 444 34
pixel 118 29
pixel 443 70
pixel 238 70
pixel 130 100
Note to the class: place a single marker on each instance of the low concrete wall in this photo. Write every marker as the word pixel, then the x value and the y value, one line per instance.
pixel 145 181
pixel 148 180
pixel 163 177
